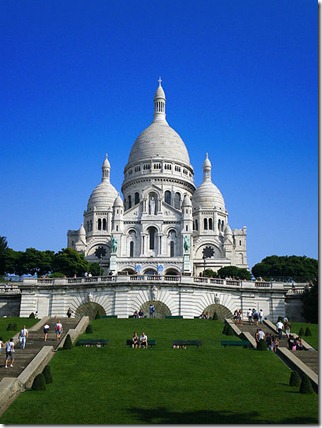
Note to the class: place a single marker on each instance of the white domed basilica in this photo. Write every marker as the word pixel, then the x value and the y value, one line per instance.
pixel 164 225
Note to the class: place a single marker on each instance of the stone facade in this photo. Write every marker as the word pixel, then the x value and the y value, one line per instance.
pixel 164 224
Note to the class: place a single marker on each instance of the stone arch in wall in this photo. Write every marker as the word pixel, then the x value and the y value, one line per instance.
pixel 161 310
pixel 221 310
pixel 90 309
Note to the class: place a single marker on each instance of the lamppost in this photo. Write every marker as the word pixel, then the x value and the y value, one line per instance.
pixel 100 263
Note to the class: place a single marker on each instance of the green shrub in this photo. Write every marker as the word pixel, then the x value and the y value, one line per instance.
pixel 14 327
pixel 307 332
pixel 261 345
pixel 301 332
pixel 306 386
pixel 295 379
pixel 230 331
pixel 39 383
pixel 32 315
pixel 225 328
pixel 89 329
pixel 97 316
pixel 68 343
pixel 10 327
pixel 47 374
pixel 215 316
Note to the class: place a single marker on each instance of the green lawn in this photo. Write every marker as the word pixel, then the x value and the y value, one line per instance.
pixel 205 385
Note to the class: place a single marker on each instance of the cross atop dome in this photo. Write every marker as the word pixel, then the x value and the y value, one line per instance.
pixel 160 81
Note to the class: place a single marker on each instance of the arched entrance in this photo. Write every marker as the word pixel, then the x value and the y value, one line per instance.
pixel 221 311
pixel 90 309
pixel 161 310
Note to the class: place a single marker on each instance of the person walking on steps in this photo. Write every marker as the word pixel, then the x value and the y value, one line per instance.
pixel 46 330
pixel 59 330
pixel 23 336
pixel 10 349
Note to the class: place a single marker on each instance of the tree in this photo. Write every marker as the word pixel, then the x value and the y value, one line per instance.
pixel 310 308
pixel 39 262
pixel 234 272
pixel 94 269
pixel 70 262
pixel 287 268
pixel 3 250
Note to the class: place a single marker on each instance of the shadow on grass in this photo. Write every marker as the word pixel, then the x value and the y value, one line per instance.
pixel 163 416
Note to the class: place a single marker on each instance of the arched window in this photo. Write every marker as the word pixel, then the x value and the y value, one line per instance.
pixel 171 249
pixel 99 226
pixel 219 225
pixel 129 201
pixel 205 224
pixel 177 200
pixel 152 238
pixel 210 224
pixel 167 197
pixel 131 249
pixel 104 223
pixel 136 198
pixel 196 225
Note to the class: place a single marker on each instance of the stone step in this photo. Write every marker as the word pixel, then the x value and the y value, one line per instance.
pixel 34 344
pixel 310 358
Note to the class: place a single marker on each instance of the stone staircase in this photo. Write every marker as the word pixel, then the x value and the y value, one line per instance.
pixel 35 343
pixel 309 357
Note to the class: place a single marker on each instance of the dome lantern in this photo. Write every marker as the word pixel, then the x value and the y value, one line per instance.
pixel 159 103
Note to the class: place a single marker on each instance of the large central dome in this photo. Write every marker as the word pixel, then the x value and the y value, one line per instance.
pixel 159 140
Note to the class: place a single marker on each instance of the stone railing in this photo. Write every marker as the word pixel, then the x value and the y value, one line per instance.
pixel 165 279
pixel 10 289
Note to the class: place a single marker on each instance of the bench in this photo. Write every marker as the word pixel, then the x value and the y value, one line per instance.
pixel 173 316
pixel 151 342
pixel 243 343
pixel 92 342
pixel 182 343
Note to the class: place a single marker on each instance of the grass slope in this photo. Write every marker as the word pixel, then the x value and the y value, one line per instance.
pixel 205 385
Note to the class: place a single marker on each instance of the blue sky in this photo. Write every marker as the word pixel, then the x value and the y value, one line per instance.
pixel 241 80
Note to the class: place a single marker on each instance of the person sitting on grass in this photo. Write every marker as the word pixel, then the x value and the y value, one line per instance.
pixel 135 340
pixel 143 340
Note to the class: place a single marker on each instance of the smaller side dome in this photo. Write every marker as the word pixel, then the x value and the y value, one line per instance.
pixel 118 201
pixel 104 193
pixel 207 195
pixel 186 201
pixel 81 231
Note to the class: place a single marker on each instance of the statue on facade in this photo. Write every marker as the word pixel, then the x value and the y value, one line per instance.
pixel 90 297
pixel 113 244
pixel 152 205
pixel 186 243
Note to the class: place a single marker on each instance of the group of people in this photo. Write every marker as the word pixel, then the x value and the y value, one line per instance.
pixel 139 342
pixel 272 341
pixel 253 316
pixel 286 327
pixel 138 314
pixel 295 343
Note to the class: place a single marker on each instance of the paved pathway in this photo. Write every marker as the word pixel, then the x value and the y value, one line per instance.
pixel 310 358
pixel 35 342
